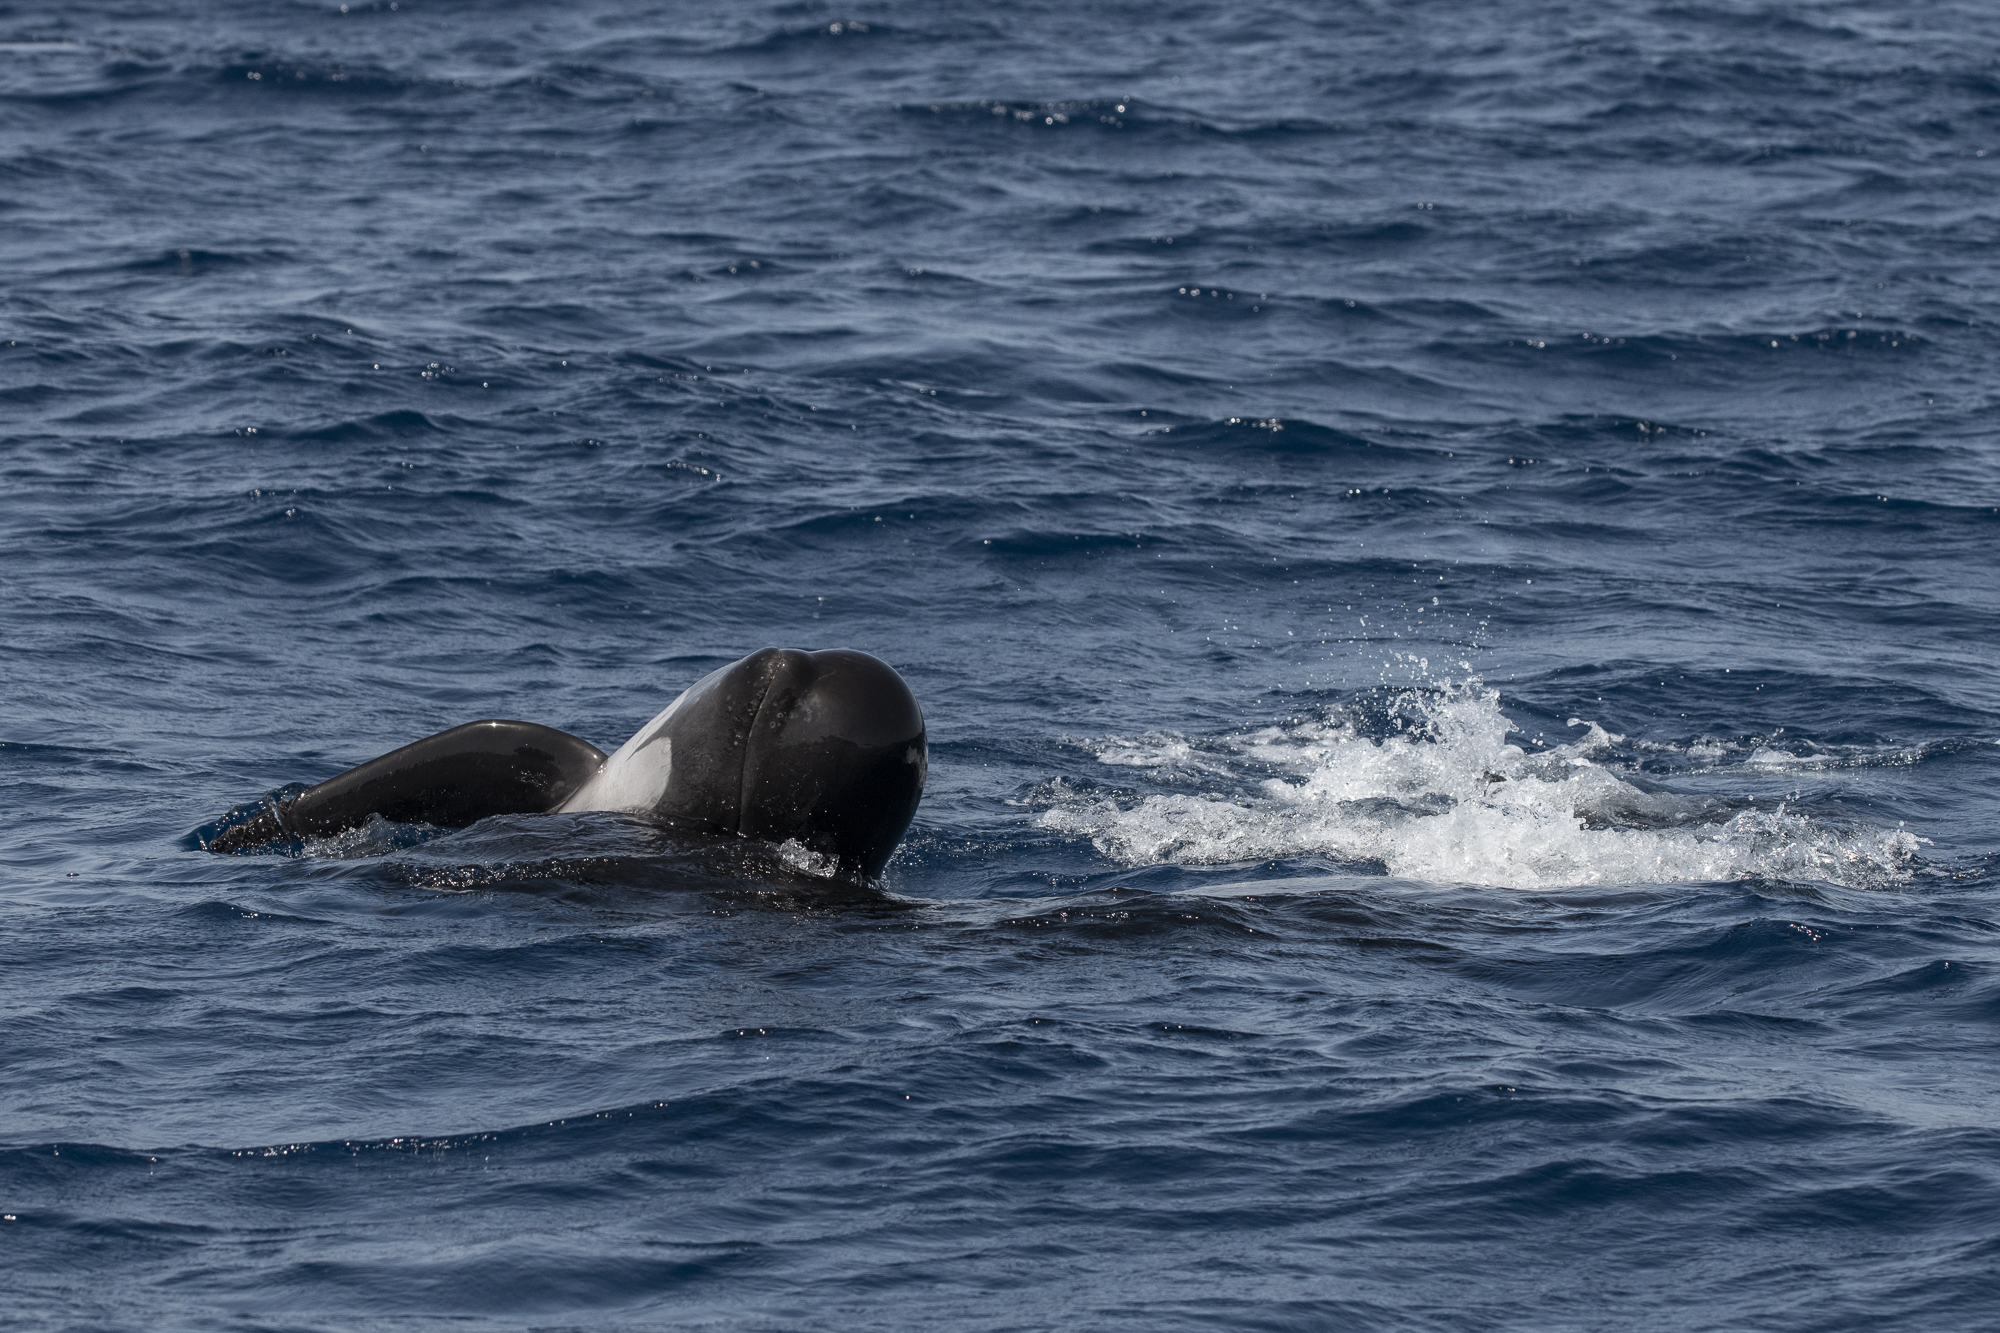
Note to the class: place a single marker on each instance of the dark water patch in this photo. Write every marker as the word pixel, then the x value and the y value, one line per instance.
pixel 219 913
pixel 189 262
pixel 833 35
pixel 1046 545
pixel 397 425
pixel 284 76
pixel 543 322
pixel 1746 962
pixel 1127 916
pixel 1296 438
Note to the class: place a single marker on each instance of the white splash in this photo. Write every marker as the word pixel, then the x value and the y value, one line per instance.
pixel 1448 799
pixel 806 861
pixel 373 838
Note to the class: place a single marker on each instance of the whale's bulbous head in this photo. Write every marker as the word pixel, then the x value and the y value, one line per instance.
pixel 823 748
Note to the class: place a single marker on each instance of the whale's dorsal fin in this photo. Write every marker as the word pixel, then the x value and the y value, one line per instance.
pixel 452 779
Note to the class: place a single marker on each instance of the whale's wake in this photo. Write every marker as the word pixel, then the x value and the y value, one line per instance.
pixel 1433 789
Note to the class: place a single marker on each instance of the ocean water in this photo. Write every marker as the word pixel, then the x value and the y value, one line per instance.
pixel 1451 557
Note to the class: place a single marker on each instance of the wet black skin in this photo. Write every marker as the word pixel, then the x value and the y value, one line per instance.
pixel 824 748
pixel 452 779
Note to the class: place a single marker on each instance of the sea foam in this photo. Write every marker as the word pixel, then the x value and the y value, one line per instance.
pixel 1446 796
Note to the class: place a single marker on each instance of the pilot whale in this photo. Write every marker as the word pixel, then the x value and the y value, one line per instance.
pixel 823 748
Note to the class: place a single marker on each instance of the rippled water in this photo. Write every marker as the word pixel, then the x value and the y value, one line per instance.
pixel 1449 558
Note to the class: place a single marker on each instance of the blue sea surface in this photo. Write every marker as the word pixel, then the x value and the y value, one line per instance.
pixel 1451 556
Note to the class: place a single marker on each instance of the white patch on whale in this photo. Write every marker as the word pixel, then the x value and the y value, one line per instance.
pixel 634 779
